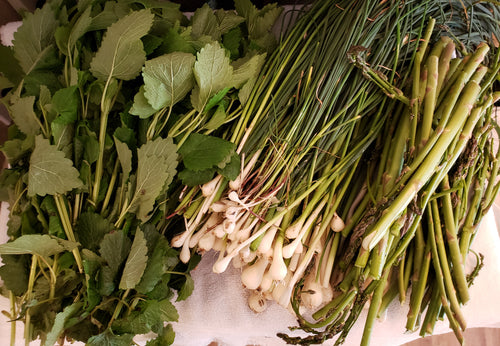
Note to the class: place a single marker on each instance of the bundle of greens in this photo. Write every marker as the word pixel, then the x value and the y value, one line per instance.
pixel 423 199
pixel 420 192
pixel 337 171
pixel 109 100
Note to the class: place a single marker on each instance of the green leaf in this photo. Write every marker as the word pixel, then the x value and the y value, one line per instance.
pixel 91 269
pixel 245 8
pixel 151 317
pixel 14 273
pixel 247 68
pixel 259 22
pixel 45 99
pixel 162 259
pixel 9 66
pixel 60 321
pixel 106 282
pixel 49 171
pixel 264 22
pixel 194 178
pixel 216 99
pixel 35 79
pixel 33 40
pixel 62 35
pixel 213 72
pixel 136 262
pixel 37 244
pixel 63 135
pixel 107 338
pixel 55 226
pixel 166 336
pixel 204 22
pixel 178 40
pixel 152 237
pixel 151 42
pixel 121 54
pixel 246 90
pixel 65 102
pixel 157 162
pixel 217 119
pixel 232 169
pixel 160 4
pixel 5 84
pixel 110 14
pixel 141 106
pixel 81 27
pixel 91 148
pixel 125 133
pixel 114 249
pixel 168 79
pixel 201 152
pixel 227 20
pixel 91 229
pixel 125 157
pixel 8 181
pixel 186 289
pixel 232 41
pixel 16 149
pixel 23 115
pixel 162 289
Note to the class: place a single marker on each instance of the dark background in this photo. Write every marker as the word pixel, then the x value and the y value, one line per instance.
pixel 9 8
pixel 192 5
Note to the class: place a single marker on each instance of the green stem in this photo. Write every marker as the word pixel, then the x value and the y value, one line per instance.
pixel 436 180
pixel 447 108
pixel 417 94
pixel 339 304
pixel 13 318
pixel 77 207
pixel 445 61
pixel 106 104
pixel 331 258
pixel 68 228
pixel 111 187
pixel 418 289
pixel 53 277
pixel 100 164
pixel 408 268
pixel 443 280
pixel 434 309
pixel 444 270
pixel 40 217
pixel 29 293
pixel 401 275
pixel 426 169
pixel 165 120
pixel 430 98
pixel 374 308
pixel 453 244
pixel 176 129
pixel 118 308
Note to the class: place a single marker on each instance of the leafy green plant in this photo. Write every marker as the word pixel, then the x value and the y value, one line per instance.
pixel 109 101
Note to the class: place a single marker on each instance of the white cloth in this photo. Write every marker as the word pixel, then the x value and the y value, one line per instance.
pixel 7 32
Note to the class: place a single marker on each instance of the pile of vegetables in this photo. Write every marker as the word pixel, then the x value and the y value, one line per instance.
pixel 349 162
pixel 368 156
pixel 115 106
